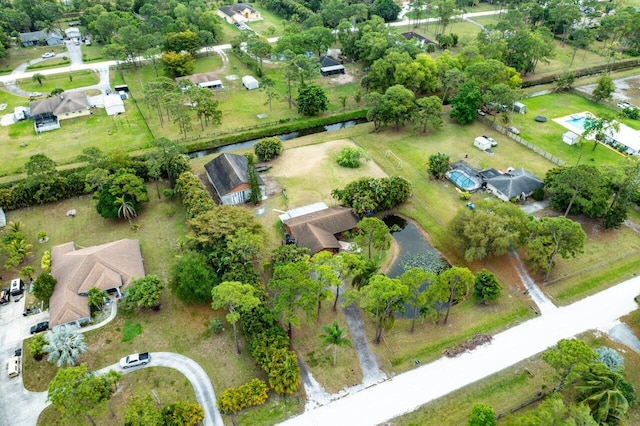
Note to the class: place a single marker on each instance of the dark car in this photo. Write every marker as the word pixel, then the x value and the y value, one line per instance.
pixel 39 327
pixel 5 296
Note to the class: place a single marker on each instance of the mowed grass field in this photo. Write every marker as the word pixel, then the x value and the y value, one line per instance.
pixel 64 81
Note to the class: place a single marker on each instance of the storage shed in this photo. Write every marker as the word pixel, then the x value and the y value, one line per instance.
pixel 519 108
pixel 482 143
pixel 570 138
pixel 250 83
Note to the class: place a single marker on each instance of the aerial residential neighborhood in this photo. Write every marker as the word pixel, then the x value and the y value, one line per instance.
pixel 316 213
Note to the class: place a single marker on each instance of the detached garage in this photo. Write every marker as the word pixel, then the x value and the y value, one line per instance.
pixel 250 83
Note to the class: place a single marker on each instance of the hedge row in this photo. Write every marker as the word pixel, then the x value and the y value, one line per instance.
pixel 252 393
pixel 195 198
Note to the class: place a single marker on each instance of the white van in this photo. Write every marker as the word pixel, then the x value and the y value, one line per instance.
pixel 17 286
pixel 13 366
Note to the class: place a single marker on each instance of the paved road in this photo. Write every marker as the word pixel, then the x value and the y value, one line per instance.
pixel 193 372
pixel 408 391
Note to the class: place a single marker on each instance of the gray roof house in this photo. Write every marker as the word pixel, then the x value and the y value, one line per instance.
pixel 228 175
pixel 48 112
pixel 34 38
pixel 516 183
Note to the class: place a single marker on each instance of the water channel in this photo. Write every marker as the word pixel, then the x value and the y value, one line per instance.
pixel 283 137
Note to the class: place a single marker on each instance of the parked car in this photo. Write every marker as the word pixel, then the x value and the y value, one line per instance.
pixel 40 327
pixel 490 139
pixel 5 296
pixel 624 105
pixel 134 360
pixel 48 55
pixel 13 366
pixel 513 130
pixel 481 112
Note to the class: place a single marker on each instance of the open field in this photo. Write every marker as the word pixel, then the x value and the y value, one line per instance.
pixel 548 136
pixel 68 81
pixel 125 132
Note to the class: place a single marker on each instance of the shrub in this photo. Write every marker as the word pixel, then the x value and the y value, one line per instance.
pixel 538 194
pixel 45 264
pixel 350 157
pixel 268 148
pixel 465 196
pixel 252 393
pixel 610 357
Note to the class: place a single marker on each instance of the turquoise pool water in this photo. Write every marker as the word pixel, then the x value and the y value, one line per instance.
pixel 462 180
pixel 577 123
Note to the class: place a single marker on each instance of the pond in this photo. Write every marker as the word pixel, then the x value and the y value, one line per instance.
pixel 414 248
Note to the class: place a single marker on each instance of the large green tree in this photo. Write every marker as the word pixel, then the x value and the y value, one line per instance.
pixel 237 298
pixel 578 189
pixel 122 196
pixel 397 106
pixel 570 359
pixel 486 287
pixel 429 113
pixel 465 104
pixel 600 128
pixel 43 287
pixel 382 298
pixel 75 392
pixel 551 236
pixel 373 236
pixel 491 229
pixel 145 292
pixel 482 415
pixel 312 100
pixel 192 279
pixel 416 279
pixel 599 389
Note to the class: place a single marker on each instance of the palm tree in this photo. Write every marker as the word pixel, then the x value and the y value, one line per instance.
pixel 64 345
pixel 125 209
pixel 334 337
pixel 598 390
pixel 38 77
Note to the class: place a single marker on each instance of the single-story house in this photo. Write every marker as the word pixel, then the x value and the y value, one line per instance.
pixel 72 32
pixel 329 66
pixel 48 112
pixel 250 83
pixel 519 107
pixel 41 37
pixel 113 104
pixel 207 80
pixel 518 183
pixel 229 177
pixel 570 138
pixel 321 229
pixel 238 13
pixel 110 267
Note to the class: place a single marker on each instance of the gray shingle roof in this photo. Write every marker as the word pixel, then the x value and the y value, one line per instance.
pixel 227 172
pixel 40 35
pixel 516 182
pixel 236 9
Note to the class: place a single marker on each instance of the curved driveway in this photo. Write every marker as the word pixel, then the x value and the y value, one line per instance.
pixel 193 372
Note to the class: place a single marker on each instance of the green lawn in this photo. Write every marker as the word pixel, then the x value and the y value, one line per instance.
pixel 125 132
pixel 64 81
pixel 21 55
pixel 548 136
pixel 270 20
pixel 49 63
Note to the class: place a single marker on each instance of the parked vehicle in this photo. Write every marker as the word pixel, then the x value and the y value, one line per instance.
pixel 17 286
pixel 5 296
pixel 48 55
pixel 40 327
pixel 492 140
pixel 134 360
pixel 13 366
pixel 513 130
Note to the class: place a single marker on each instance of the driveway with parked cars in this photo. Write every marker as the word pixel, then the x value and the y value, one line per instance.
pixel 19 406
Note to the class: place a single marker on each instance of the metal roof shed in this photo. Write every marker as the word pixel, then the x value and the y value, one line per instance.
pixel 250 83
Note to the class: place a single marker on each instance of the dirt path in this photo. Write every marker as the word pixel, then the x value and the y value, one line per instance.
pixel 545 306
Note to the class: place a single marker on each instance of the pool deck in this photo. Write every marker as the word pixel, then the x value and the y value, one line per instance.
pixel 625 136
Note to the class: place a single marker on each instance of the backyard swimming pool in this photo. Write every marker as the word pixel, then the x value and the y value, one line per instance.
pixel 463 180
pixel 576 123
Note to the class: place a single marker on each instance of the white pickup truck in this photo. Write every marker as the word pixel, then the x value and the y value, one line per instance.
pixel 134 360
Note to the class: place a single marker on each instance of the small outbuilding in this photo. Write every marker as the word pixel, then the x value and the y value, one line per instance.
pixel 113 104
pixel 72 32
pixel 482 143
pixel 207 80
pixel 250 83
pixel 3 219
pixel 519 108
pixel 570 138
pixel 329 66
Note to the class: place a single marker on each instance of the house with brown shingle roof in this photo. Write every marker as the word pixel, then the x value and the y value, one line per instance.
pixel 109 267
pixel 321 229
pixel 48 112
pixel 207 80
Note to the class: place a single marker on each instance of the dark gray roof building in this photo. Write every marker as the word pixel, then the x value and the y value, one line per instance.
pixel 516 183
pixel 228 175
